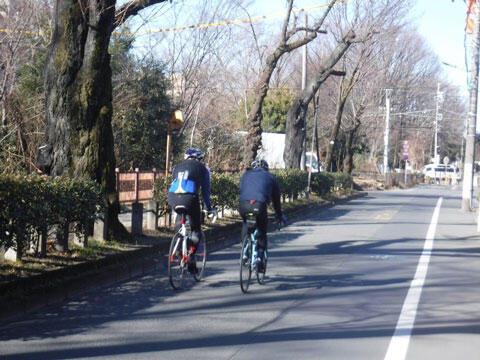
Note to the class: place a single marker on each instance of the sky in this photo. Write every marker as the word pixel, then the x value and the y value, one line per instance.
pixel 441 22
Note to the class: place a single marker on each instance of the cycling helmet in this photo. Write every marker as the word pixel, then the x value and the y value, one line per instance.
pixel 259 163
pixel 194 153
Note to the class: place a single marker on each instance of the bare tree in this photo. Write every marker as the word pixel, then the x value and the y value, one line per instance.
pixel 25 27
pixel 374 23
pixel 288 42
pixel 295 133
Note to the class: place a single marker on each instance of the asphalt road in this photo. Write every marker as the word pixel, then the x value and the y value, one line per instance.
pixel 382 277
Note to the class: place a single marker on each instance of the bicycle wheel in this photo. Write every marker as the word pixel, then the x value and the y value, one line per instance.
pixel 245 263
pixel 176 264
pixel 261 275
pixel 201 258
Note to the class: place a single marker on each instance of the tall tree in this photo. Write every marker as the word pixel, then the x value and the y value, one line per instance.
pixel 345 87
pixel 78 91
pixel 295 133
pixel 286 45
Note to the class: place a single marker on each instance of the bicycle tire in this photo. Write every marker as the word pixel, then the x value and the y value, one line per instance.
pixel 245 263
pixel 201 258
pixel 261 275
pixel 176 263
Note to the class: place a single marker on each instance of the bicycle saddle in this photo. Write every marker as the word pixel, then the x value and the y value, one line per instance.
pixel 181 209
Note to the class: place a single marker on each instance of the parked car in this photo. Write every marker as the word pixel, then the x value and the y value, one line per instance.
pixel 435 173
pixel 316 165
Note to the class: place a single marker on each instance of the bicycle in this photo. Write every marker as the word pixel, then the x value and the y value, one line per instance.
pixel 249 255
pixel 179 253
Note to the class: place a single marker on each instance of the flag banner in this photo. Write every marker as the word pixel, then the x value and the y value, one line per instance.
pixel 471 8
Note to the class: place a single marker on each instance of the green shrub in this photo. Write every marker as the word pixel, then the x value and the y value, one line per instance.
pixel 292 182
pixel 31 204
pixel 160 192
pixel 322 183
pixel 342 181
pixel 225 190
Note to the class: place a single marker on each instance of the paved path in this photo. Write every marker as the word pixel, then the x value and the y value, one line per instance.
pixel 338 282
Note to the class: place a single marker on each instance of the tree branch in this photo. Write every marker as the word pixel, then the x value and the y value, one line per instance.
pixel 285 37
pixel 132 8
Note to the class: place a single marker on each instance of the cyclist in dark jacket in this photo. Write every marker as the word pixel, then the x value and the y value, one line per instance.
pixel 257 188
pixel 187 178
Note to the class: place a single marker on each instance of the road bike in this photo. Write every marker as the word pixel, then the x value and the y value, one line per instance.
pixel 181 253
pixel 249 254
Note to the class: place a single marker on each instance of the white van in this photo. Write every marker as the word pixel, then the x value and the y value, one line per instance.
pixel 441 172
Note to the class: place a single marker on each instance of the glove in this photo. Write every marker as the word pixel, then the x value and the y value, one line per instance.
pixel 282 219
pixel 212 213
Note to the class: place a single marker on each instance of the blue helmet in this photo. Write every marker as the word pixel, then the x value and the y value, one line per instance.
pixel 259 163
pixel 194 153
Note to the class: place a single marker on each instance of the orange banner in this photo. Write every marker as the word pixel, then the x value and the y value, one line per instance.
pixel 471 8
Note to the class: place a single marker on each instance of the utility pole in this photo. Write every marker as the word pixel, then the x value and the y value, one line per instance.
pixel 386 133
pixel 315 112
pixel 467 190
pixel 304 84
pixel 438 117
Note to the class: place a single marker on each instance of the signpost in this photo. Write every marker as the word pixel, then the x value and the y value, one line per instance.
pixel 405 157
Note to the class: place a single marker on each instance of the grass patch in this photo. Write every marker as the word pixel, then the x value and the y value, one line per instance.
pixel 31 265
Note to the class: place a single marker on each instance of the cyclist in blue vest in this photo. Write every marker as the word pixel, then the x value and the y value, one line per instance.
pixel 187 178
pixel 257 188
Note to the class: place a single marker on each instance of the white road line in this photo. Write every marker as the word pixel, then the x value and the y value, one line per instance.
pixel 397 350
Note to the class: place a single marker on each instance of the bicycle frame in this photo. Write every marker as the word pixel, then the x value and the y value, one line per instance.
pixel 183 233
pixel 254 253
pixel 249 257
pixel 179 253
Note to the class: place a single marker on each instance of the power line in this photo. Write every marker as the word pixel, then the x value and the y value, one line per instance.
pixel 224 23
pixel 196 26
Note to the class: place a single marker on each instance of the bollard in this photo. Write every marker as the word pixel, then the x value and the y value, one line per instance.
pixel 137 219
pixel 100 229
pixel 152 215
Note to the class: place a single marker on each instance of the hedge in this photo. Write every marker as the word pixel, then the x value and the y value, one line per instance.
pixel 225 188
pixel 31 205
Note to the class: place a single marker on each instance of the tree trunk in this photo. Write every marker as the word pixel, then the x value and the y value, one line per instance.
pixel 254 139
pixel 79 138
pixel 295 125
pixel 348 162
pixel 336 128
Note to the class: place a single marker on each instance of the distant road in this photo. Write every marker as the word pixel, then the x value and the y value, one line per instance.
pixel 339 287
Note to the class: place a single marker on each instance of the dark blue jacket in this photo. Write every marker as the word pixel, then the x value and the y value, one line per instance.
pixel 260 185
pixel 188 176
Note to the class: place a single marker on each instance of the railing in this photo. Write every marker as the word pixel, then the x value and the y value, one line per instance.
pixel 136 186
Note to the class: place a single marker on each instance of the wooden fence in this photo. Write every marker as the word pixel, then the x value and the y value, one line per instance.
pixel 136 186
